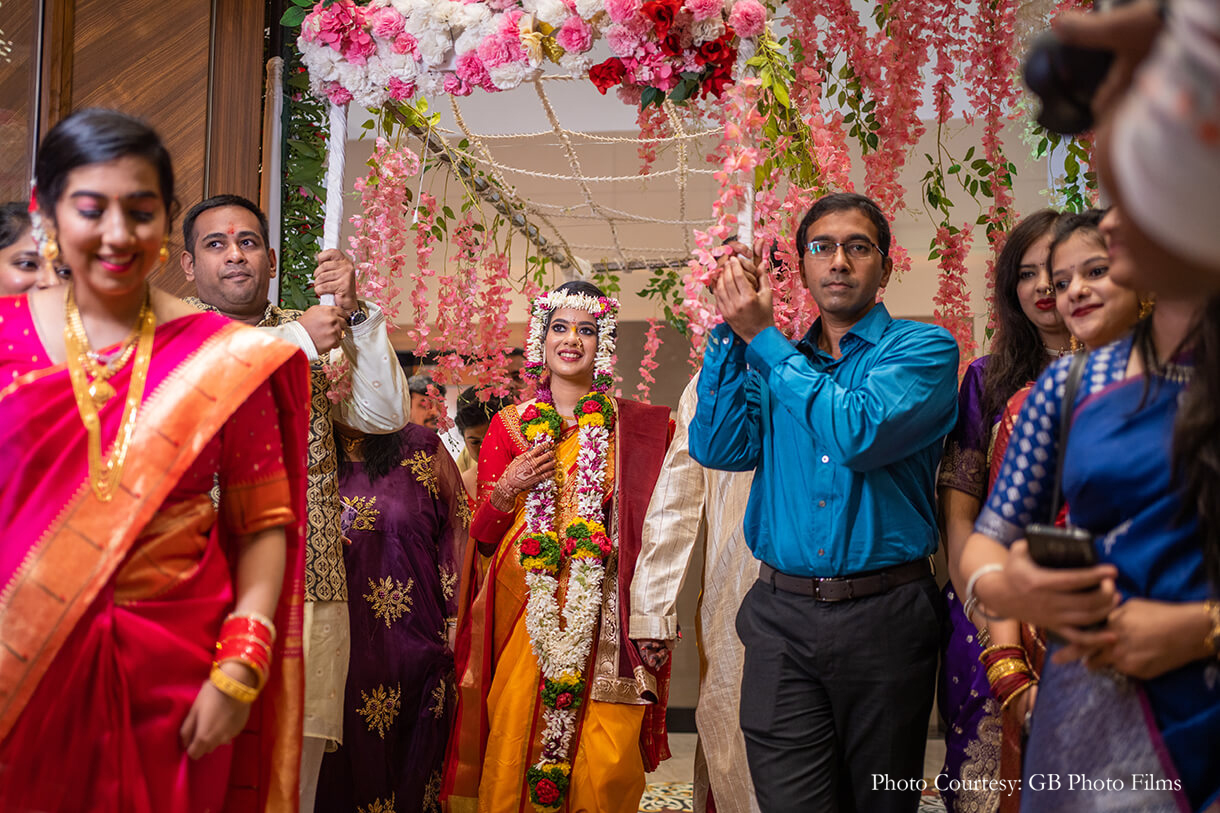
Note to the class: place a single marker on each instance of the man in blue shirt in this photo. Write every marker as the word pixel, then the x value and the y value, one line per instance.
pixel 842 630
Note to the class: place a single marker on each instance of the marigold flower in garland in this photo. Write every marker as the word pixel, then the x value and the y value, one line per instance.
pixel 581 539
pixel 540 552
pixel 548 784
pixel 595 409
pixel 541 419
pixel 565 692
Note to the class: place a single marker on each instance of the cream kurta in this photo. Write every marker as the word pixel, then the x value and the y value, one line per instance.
pixel 692 503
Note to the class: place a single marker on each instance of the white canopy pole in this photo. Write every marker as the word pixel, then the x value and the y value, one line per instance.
pixel 745 216
pixel 336 151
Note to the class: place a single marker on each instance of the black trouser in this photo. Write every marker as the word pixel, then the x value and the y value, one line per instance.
pixel 836 697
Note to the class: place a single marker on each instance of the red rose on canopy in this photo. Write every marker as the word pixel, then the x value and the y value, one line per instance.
pixel 662 13
pixel 547 792
pixel 564 700
pixel 531 547
pixel 607 74
pixel 716 80
pixel 671 45
pixel 718 52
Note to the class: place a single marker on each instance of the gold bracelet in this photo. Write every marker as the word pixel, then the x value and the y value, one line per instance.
pixel 231 686
pixel 1020 690
pixel 992 649
pixel 1003 668
pixel 1213 635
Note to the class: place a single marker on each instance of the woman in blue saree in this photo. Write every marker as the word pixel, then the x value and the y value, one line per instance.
pixel 1136 703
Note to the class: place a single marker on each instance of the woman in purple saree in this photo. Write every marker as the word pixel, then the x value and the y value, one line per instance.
pixel 405 518
pixel 1030 334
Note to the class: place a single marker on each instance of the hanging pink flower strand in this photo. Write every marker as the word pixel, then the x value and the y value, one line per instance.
pixel 652 343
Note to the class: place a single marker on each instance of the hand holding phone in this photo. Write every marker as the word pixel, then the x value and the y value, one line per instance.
pixel 1052 546
pixel 1055 547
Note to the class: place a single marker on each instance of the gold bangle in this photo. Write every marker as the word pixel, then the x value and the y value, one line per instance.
pixel 1020 690
pixel 1212 640
pixel 1002 669
pixel 996 648
pixel 231 686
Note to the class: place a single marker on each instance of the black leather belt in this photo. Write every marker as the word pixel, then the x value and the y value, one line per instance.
pixel 844 588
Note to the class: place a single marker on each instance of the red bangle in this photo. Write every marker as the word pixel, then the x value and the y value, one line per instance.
pixel 1009 686
pixel 256 627
pixel 250 651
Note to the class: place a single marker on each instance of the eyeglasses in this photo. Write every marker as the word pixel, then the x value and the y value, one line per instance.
pixel 823 250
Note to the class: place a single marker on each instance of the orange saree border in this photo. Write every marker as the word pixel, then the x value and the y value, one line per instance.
pixel 77 555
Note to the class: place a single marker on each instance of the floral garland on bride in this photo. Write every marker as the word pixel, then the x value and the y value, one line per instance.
pixel 563 650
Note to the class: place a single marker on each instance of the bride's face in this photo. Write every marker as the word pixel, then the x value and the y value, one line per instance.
pixel 571 343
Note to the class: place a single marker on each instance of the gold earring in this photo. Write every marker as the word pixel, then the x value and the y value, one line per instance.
pixel 50 248
pixel 164 253
pixel 1147 304
pixel 1074 344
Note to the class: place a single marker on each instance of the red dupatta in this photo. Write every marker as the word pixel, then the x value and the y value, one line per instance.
pixel 61 545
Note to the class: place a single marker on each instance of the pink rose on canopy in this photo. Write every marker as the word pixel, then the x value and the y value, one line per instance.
pixel 622 10
pixel 575 36
pixel 622 40
pixel 748 18
pixel 496 50
pixel 338 94
pixel 400 91
pixel 456 85
pixel 406 44
pixel 702 9
pixel 470 68
pixel 387 23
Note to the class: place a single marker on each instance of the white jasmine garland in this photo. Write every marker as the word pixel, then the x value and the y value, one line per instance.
pixel 562 638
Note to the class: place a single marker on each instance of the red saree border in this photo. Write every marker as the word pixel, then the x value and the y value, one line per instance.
pixel 67 568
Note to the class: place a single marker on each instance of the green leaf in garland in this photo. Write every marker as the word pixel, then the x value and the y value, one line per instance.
pixel 292 17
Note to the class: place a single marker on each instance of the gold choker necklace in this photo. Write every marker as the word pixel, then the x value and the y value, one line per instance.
pixel 92 388
pixel 1058 354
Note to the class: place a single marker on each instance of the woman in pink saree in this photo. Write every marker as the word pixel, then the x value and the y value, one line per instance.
pixel 120 572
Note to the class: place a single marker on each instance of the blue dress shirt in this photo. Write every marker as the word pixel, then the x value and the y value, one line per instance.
pixel 846 449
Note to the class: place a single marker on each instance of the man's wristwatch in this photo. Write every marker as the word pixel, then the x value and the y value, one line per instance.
pixel 357 316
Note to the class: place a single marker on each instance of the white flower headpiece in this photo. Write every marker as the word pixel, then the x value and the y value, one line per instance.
pixel 603 308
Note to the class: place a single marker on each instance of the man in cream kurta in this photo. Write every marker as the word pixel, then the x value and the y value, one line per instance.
pixel 691 503
pixel 228 259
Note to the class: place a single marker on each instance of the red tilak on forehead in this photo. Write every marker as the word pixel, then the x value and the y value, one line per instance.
pixel 232 230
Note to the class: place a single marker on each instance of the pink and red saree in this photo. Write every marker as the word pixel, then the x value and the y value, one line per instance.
pixel 110 610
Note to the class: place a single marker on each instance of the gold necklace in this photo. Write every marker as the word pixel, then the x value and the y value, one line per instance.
pixel 104 475
pixel 100 389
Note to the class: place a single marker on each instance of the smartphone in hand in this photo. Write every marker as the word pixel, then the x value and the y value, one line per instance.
pixel 1052 546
